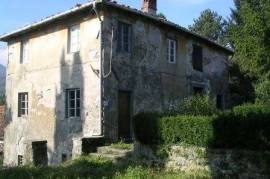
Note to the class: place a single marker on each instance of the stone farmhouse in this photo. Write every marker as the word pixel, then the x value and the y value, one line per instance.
pixel 80 75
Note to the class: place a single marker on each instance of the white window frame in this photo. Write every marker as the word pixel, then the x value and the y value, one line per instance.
pixel 74 39
pixel 23 98
pixel 24 51
pixel 172 48
pixel 68 103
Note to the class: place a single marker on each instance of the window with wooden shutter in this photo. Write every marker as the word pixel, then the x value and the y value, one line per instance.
pixel 74 39
pixel 197 58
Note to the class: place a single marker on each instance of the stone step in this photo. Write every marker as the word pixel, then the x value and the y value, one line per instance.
pixel 112 150
pixel 114 157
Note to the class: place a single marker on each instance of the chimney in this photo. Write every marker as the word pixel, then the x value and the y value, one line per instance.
pixel 150 7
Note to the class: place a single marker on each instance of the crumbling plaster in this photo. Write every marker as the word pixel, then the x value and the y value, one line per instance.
pixel 155 84
pixel 49 71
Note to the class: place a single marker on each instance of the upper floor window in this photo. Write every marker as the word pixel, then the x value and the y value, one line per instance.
pixel 73 103
pixel 74 39
pixel 171 51
pixel 124 37
pixel 10 53
pixel 24 51
pixel 197 58
pixel 22 104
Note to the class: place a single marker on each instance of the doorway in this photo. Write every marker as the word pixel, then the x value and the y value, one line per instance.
pixel 40 157
pixel 124 115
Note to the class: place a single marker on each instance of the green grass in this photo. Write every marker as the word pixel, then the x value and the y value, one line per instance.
pixel 122 145
pixel 93 167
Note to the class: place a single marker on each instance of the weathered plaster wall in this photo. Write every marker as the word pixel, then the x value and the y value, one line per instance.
pixel 49 71
pixel 155 84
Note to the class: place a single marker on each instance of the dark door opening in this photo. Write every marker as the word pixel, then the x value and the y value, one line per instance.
pixel 198 91
pixel 40 156
pixel 90 145
pixel 124 115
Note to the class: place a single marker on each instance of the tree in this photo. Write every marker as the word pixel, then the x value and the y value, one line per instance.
pixel 210 25
pixel 251 35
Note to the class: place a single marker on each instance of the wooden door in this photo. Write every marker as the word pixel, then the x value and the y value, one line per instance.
pixel 124 115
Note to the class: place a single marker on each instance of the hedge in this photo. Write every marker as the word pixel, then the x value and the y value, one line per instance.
pixel 245 127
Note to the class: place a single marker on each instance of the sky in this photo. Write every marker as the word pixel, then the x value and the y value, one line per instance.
pixel 17 13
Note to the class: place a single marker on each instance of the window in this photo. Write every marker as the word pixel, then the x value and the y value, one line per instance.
pixel 124 37
pixel 22 104
pixel 10 53
pixel 74 39
pixel 197 58
pixel 73 103
pixel 24 51
pixel 219 102
pixel 171 51
pixel 198 91
pixel 20 160
pixel 64 157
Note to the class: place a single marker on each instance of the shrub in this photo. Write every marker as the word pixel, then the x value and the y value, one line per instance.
pixel 262 91
pixel 194 130
pixel 246 127
pixel 198 105
pixel 146 128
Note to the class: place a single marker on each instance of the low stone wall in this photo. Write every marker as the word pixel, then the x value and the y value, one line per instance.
pixel 219 163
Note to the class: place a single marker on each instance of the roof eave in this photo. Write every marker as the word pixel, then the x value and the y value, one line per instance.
pixel 6 37
pixel 155 18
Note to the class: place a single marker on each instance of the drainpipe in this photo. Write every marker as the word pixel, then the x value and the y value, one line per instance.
pixel 101 66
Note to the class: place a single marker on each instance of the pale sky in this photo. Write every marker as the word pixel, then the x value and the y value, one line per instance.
pixel 17 13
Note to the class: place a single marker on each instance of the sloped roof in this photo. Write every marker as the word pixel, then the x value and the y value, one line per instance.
pixel 113 4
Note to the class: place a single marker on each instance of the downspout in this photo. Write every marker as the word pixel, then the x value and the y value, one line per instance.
pixel 101 67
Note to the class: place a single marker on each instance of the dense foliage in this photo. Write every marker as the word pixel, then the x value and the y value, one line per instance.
pixel 247 31
pixel 198 105
pixel 246 127
pixel 250 34
pixel 210 25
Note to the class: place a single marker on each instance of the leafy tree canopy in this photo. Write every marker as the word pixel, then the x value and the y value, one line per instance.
pixel 210 25
pixel 251 37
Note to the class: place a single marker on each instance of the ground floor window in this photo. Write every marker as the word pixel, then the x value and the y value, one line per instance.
pixel 20 160
pixel 73 103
